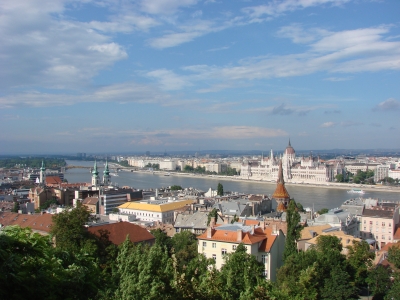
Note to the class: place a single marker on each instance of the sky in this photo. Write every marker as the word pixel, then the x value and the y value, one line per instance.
pixel 113 76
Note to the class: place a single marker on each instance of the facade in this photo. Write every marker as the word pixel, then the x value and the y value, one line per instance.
pixel 111 199
pixel 195 223
pixel 154 210
pixel 299 170
pixel 265 244
pixel 380 223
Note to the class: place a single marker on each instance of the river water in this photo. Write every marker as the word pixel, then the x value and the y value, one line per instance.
pixel 306 195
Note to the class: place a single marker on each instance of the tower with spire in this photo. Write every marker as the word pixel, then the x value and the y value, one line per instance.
pixel 95 175
pixel 106 175
pixel 42 174
pixel 281 195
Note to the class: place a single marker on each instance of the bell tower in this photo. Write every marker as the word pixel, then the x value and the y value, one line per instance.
pixel 106 175
pixel 95 176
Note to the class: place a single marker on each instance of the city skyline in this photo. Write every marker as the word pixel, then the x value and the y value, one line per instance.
pixel 188 75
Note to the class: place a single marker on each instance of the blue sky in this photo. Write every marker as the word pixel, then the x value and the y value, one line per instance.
pixel 117 76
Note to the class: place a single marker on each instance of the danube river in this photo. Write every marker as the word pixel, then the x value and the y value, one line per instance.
pixel 308 196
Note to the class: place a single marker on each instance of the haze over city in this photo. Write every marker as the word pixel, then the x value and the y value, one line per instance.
pixel 168 75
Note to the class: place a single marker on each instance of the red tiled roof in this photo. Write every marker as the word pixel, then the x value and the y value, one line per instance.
pixel 119 231
pixel 390 245
pixel 396 235
pixel 264 236
pixel 53 180
pixel 280 192
pixel 37 222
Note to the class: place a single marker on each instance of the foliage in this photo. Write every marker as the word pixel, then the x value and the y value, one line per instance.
pixel 154 166
pixel 115 210
pixel 340 178
pixel 360 259
pixel 162 238
pixel 361 177
pixel 31 162
pixel 308 275
pixel 293 229
pixel 176 188
pixel 212 214
pixel 322 211
pixel 15 207
pixel 68 228
pixel 229 172
pixel 123 163
pixel 29 265
pixel 220 190
pixel 379 281
pixel 48 203
pixel 235 219
pixel 240 274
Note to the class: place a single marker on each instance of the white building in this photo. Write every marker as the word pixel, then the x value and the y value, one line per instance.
pixel 265 244
pixel 305 169
pixel 168 165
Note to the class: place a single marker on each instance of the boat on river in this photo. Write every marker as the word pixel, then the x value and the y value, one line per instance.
pixel 356 191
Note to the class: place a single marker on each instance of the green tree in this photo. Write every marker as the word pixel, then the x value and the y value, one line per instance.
pixel 339 178
pixel 379 282
pixel 322 211
pixel 15 207
pixel 360 259
pixel 293 229
pixel 220 190
pixel 68 228
pixel 176 188
pixel 184 245
pixel 162 238
pixel 213 215
pixel 240 274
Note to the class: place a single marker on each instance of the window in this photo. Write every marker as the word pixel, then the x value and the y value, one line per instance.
pixel 370 222
pixel 365 228
pixel 365 221
pixel 264 259
pixel 177 229
pixel 383 223
pixel 223 251
pixel 233 247
pixel 214 245
pixel 204 244
pixel 214 256
pixel 390 224
pixel 376 223
pixel 383 237
pixel 265 273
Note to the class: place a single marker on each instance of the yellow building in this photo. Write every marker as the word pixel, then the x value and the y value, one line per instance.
pixel 155 211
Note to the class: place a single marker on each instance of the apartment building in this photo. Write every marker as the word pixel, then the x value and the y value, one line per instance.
pixel 380 223
pixel 266 244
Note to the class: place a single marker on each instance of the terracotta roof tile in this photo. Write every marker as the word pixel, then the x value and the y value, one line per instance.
pixel 37 222
pixel 90 201
pixel 119 231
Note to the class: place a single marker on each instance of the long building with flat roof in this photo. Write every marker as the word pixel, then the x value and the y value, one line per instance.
pixel 154 211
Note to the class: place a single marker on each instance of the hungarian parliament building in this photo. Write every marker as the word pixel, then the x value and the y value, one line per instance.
pixel 297 170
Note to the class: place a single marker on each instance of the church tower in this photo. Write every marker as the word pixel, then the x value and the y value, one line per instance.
pixel 95 175
pixel 281 195
pixel 42 175
pixel 106 175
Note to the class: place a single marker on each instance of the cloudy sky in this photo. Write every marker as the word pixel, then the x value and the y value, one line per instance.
pixel 110 76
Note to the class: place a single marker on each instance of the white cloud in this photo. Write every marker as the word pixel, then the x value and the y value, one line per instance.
pixel 168 79
pixel 328 124
pixel 278 7
pixel 390 104
pixel 39 46
pixel 299 35
pixel 164 6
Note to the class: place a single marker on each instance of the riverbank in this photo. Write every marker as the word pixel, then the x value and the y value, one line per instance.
pixel 328 185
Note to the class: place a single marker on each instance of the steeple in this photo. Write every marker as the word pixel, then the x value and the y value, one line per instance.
pixel 281 195
pixel 106 175
pixel 41 174
pixel 289 143
pixel 95 175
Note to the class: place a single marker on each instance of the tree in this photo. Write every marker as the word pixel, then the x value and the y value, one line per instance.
pixel 176 188
pixel 339 178
pixel 360 258
pixel 220 190
pixel 15 207
pixel 240 274
pixel 379 282
pixel 322 211
pixel 293 229
pixel 212 215
pixel 68 228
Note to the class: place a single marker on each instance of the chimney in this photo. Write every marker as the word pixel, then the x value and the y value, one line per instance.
pixel 263 225
pixel 209 232
pixel 274 230
pixel 212 223
pixel 239 235
pixel 252 229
